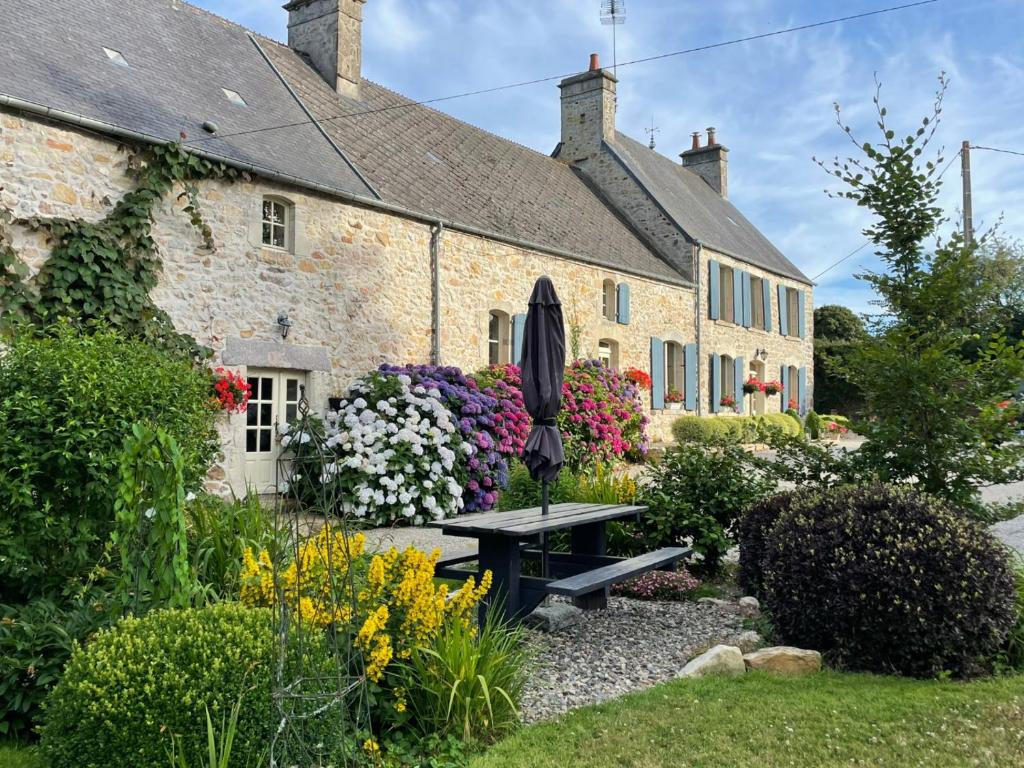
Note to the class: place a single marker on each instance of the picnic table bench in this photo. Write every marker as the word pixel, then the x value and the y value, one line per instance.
pixel 506 539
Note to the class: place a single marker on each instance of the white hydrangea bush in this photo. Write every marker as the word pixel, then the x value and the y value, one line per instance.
pixel 398 454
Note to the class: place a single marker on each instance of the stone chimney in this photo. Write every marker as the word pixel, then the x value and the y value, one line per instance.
pixel 329 33
pixel 588 112
pixel 710 162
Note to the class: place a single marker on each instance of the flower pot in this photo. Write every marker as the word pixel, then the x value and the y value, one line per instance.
pixel 673 406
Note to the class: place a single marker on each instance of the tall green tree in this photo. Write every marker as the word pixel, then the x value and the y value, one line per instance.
pixel 837 331
pixel 941 414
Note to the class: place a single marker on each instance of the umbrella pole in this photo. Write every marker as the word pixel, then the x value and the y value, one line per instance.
pixel 544 536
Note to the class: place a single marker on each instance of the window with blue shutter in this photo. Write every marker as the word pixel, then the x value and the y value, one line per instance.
pixel 657 374
pixel 801 322
pixel 801 392
pixel 713 289
pixel 785 387
pixel 518 327
pixel 740 367
pixel 622 315
pixel 783 311
pixel 766 286
pixel 737 297
pixel 691 377
pixel 716 383
pixel 748 304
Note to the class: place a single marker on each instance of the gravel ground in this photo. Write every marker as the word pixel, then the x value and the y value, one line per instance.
pixel 628 647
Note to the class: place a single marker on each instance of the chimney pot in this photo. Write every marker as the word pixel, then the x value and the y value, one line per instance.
pixel 711 137
pixel 329 33
pixel 696 140
pixel 595 63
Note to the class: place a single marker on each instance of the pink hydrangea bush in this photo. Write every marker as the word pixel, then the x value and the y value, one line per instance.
pixel 602 418
pixel 511 421
pixel 658 585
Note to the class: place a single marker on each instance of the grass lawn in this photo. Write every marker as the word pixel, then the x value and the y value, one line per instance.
pixel 757 720
pixel 19 757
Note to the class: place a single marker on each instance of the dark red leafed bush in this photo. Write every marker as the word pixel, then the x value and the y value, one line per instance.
pixel 752 532
pixel 887 580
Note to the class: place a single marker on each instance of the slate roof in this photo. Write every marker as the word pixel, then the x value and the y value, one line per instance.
pixel 179 58
pixel 699 210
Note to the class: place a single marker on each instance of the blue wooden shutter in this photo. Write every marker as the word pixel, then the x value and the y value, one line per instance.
pixel 784 397
pixel 800 313
pixel 622 293
pixel 657 374
pixel 737 297
pixel 690 386
pixel 766 284
pixel 713 289
pixel 801 392
pixel 783 312
pixel 716 383
pixel 739 379
pixel 748 305
pixel 518 326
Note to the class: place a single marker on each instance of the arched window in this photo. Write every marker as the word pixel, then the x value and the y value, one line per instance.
pixel 608 300
pixel 675 372
pixel 608 353
pixel 278 223
pixel 498 337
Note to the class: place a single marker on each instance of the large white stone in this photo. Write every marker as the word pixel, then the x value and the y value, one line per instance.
pixel 721 660
pixel 784 660
pixel 750 607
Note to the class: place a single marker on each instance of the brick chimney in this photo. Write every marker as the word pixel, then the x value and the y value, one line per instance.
pixel 329 33
pixel 588 112
pixel 710 162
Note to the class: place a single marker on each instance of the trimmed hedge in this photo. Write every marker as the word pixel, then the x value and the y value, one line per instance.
pixel 731 430
pixel 885 579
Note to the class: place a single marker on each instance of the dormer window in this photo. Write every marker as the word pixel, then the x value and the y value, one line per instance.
pixel 278 221
pixel 116 57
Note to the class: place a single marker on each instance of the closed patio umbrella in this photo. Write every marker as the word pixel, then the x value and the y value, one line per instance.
pixel 543 370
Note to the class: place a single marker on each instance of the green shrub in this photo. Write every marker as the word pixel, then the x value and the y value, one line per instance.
pixel 1012 654
pixel 814 425
pixel 124 696
pixel 67 403
pixel 752 534
pixel 36 640
pixel 524 492
pixel 783 422
pixel 219 532
pixel 697 495
pixel 468 686
pixel 732 430
pixel 884 579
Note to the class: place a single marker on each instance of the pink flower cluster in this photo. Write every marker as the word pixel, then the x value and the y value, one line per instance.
pixel 511 421
pixel 658 585
pixel 602 417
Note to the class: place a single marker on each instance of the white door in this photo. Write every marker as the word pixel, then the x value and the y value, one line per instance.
pixel 274 402
pixel 758 398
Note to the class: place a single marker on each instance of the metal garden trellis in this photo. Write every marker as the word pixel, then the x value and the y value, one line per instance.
pixel 319 682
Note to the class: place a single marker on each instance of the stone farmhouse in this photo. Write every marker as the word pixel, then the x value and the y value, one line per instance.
pixel 370 229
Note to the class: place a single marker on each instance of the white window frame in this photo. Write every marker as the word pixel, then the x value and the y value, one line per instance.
pixel 608 353
pixel 499 337
pixel 675 368
pixel 286 225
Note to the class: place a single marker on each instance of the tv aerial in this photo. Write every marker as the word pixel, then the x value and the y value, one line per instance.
pixel 613 13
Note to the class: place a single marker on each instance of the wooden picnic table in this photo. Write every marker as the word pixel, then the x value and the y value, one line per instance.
pixel 584 573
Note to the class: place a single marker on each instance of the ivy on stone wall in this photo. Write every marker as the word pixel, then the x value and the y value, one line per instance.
pixel 104 271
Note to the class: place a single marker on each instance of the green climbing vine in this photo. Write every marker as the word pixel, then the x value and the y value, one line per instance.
pixel 104 271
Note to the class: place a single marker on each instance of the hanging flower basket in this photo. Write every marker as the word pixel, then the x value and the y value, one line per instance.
pixel 638 377
pixel 231 391
pixel 772 387
pixel 752 385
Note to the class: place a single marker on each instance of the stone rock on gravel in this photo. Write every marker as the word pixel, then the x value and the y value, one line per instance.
pixel 784 660
pixel 720 660
pixel 750 607
pixel 747 641
pixel 554 617
pixel 724 605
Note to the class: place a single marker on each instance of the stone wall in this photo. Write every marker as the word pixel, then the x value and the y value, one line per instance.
pixel 357 286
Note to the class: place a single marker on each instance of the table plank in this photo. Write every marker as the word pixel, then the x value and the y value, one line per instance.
pixel 469 525
pixel 481 518
pixel 571 521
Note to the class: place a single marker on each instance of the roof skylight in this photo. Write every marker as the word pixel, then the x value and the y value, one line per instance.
pixel 234 97
pixel 116 56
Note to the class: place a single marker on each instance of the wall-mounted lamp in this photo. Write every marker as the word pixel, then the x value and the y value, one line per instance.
pixel 284 324
pixel 761 353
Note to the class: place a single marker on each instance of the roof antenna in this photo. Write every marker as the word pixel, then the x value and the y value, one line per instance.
pixel 651 131
pixel 613 13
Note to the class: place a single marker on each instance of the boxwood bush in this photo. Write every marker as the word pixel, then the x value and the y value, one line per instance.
pixel 68 399
pixel 885 579
pixel 124 694
pixel 731 430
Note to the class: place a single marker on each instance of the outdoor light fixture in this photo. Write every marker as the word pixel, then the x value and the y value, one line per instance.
pixel 761 353
pixel 284 324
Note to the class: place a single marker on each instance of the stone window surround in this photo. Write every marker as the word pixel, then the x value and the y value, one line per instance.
pixel 612 354
pixel 297 242
pixel 504 339
pixel 483 319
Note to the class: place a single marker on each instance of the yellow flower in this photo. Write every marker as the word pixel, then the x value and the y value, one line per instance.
pixel 371 747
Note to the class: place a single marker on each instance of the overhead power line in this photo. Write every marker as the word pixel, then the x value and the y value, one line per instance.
pixel 537 81
pixel 993 149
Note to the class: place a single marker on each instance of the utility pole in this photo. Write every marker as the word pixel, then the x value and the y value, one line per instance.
pixel 965 172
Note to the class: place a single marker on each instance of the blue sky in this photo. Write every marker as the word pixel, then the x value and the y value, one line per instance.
pixel 771 100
